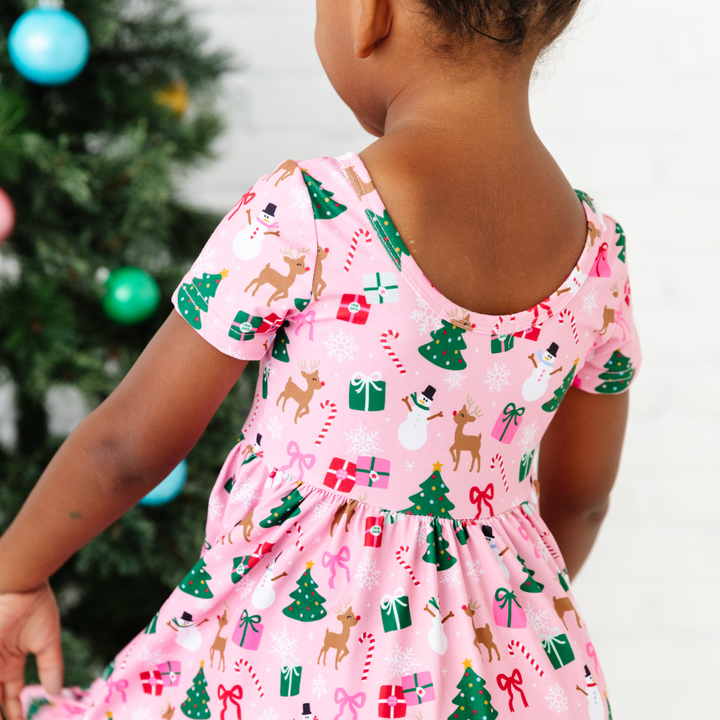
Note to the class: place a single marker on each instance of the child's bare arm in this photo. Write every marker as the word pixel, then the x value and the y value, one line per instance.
pixel 118 453
pixel 579 459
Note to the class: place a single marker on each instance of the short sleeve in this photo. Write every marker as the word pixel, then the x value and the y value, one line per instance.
pixel 256 268
pixel 613 362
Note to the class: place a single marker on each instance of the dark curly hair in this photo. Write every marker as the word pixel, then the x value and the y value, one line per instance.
pixel 509 23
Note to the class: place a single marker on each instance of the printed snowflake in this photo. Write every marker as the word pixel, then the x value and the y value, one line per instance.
pixel 454 380
pixel 274 427
pixel 217 553
pixel 423 530
pixel 497 377
pixel 215 507
pixel 319 510
pixel 284 646
pixel 402 662
pixel 557 699
pixel 424 316
pixel 362 441
pixel 269 714
pixel 243 494
pixel 368 573
pixel 319 686
pixel 543 550
pixel 204 603
pixel 451 577
pixel 142 713
pixel 230 299
pixel 473 569
pixel 527 435
pixel 589 301
pixel 409 466
pixel 144 655
pixel 300 204
pixel 244 588
pixel 340 346
pixel 340 177
pixel 538 619
pixel 202 263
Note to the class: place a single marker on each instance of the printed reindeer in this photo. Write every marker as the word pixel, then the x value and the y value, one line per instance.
pixel 281 283
pixel 593 232
pixel 247 525
pixel 318 283
pixel 220 642
pixel 471 443
pixel 563 605
pixel 436 637
pixel 339 640
pixel 483 635
pixel 348 509
pixel 168 714
pixel 608 318
pixel 360 186
pixel 288 170
pixel 302 397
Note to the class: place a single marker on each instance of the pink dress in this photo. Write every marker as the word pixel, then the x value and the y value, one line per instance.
pixel 373 545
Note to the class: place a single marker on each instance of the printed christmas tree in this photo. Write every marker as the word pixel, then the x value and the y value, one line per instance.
pixel 621 242
pixel 195 583
pixel 151 629
pixel 445 350
pixel 473 702
pixel 584 197
pixel 432 498
pixel 324 207
pixel 279 348
pixel 437 551
pixel 620 372
pixel 307 605
pixel 387 232
pixel 290 508
pixel 529 585
pixel 554 402
pixel 194 297
pixel 196 705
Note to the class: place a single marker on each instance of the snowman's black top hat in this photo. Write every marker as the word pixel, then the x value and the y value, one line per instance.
pixel 587 671
pixel 552 350
pixel 186 616
pixel 306 709
pixel 270 209
pixel 429 392
pixel 487 531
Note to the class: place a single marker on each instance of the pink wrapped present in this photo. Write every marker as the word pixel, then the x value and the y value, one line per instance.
pixel 340 475
pixel 391 703
pixel 353 309
pixel 418 688
pixel 507 611
pixel 248 632
pixel 170 672
pixel 507 423
pixel 152 682
pixel 373 472
pixel 374 530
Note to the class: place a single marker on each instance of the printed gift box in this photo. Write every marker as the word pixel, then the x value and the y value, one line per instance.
pixel 170 672
pixel 532 333
pixel 526 464
pixel 507 611
pixel 557 648
pixel 270 323
pixel 244 326
pixel 501 343
pixel 418 688
pixel 353 309
pixel 372 472
pixel 152 682
pixel 395 611
pixel 340 475
pixel 391 703
pixel 248 632
pixel 367 392
pixel 374 530
pixel 507 423
pixel 381 288
pixel 290 676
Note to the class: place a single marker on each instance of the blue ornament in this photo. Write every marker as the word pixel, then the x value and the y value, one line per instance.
pixel 168 489
pixel 48 46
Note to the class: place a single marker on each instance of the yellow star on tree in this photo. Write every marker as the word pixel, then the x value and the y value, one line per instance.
pixel 467 664
pixel 309 564
pixel 224 273
pixel 437 466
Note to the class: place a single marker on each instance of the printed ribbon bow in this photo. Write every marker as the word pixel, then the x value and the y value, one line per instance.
pixel 361 382
pixel 248 621
pixel 333 561
pixel 389 602
pixel 119 685
pixel 512 683
pixel 507 597
pixel 306 318
pixel 343 700
pixel 550 641
pixel 246 199
pixel 511 413
pixel 71 710
pixel 478 497
pixel 305 462
pixel 234 695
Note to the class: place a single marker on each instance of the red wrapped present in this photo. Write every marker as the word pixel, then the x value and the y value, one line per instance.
pixel 392 703
pixel 340 475
pixel 170 672
pixel 374 530
pixel 152 682
pixel 353 309
pixel 270 323
pixel 532 333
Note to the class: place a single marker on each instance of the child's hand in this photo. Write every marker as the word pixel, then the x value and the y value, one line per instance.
pixel 29 623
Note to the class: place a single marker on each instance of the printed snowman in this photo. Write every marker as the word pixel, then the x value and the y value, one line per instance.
pixel 490 537
pixel 596 706
pixel 437 640
pixel 413 432
pixel 537 384
pixel 307 714
pixel 264 594
pixel 573 282
pixel 188 635
pixel 248 242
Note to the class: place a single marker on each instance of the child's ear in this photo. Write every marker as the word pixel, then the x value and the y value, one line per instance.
pixel 373 26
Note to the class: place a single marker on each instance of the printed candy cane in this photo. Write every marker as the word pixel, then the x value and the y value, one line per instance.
pixel 389 350
pixel 568 314
pixel 300 533
pixel 497 458
pixel 360 233
pixel 526 654
pixel 239 664
pixel 498 324
pixel 403 564
pixel 255 409
pixel 368 657
pixel 328 422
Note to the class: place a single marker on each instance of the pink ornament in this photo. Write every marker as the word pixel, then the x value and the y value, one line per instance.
pixel 7 216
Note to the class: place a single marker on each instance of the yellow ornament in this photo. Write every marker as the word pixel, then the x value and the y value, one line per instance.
pixel 174 96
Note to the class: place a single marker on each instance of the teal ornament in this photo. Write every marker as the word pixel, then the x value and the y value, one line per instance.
pixel 168 489
pixel 132 296
pixel 48 45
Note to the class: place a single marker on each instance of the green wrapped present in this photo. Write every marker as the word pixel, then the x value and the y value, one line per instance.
pixel 244 326
pixel 557 648
pixel 265 378
pixel 367 392
pixel 290 676
pixel 395 611
pixel 501 343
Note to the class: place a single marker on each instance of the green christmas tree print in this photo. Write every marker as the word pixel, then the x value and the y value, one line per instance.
pixel 387 232
pixel 529 585
pixel 584 197
pixel 324 207
pixel 195 583
pixel 445 350
pixel 196 705
pixel 290 508
pixel 307 605
pixel 473 702
pixel 620 372
pixel 279 348
pixel 437 551
pixel 34 707
pixel 432 497
pixel 554 402
pixel 194 297
pixel 621 242
pixel 151 629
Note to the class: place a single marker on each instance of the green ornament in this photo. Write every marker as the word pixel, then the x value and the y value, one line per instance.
pixel 132 296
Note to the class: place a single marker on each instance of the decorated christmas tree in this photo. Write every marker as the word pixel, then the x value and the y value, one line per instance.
pixel 621 242
pixel 196 705
pixel 307 605
pixel 473 702
pixel 151 629
pixel 529 585
pixel 387 232
pixel 584 197
pixel 437 551
pixel 619 373
pixel 324 207
pixel 432 497
pixel 279 348
pixel 554 402
pixel 445 350
pixel 290 508
pixel 195 583
pixel 193 298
